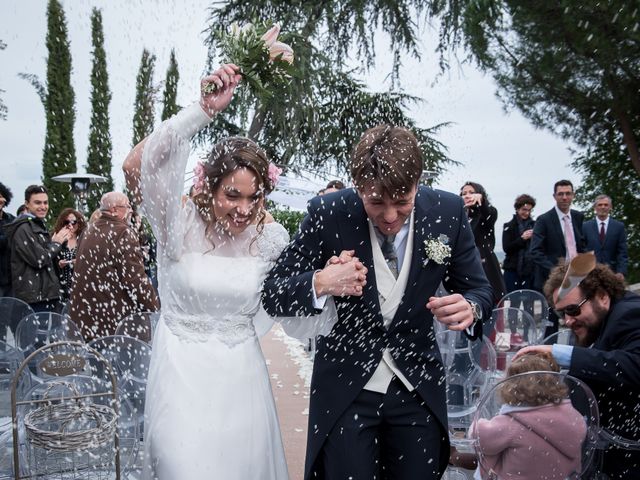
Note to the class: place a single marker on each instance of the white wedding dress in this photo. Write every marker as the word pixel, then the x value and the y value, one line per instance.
pixel 209 411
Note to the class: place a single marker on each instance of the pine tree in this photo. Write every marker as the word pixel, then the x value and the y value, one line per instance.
pixel 59 156
pixel 143 116
pixel 171 88
pixel 100 147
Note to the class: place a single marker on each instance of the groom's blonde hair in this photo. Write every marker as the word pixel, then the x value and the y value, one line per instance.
pixel 389 158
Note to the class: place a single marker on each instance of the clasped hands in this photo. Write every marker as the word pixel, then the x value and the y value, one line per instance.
pixel 345 275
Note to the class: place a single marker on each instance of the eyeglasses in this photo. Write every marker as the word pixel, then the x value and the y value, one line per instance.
pixel 70 222
pixel 572 310
pixel 128 207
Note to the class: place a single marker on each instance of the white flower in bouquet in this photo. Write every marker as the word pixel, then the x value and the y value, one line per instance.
pixel 263 60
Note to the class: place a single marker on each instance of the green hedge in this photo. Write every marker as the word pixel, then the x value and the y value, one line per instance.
pixel 289 219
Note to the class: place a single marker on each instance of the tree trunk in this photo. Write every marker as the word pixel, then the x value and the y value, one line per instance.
pixel 629 140
pixel 257 123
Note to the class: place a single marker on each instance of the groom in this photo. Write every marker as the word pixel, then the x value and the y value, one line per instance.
pixel 378 400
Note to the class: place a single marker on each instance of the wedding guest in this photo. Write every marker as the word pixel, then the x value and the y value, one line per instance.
pixel 482 217
pixel 516 240
pixel 537 433
pixel 73 221
pixel 34 253
pixel 210 412
pixel 5 250
pixel 557 237
pixel 109 282
pixel 605 319
pixel 607 237
pixel 94 216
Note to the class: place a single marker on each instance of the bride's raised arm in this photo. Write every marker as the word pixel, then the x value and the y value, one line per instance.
pixel 154 169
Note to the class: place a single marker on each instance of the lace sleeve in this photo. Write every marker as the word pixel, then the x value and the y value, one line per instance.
pixel 272 241
pixel 162 178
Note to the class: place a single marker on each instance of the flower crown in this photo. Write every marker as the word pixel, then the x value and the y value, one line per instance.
pixel 199 175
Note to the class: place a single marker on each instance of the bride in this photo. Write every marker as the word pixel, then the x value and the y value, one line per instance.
pixel 209 411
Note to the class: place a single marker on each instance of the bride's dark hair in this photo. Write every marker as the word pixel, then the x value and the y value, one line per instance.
pixel 225 158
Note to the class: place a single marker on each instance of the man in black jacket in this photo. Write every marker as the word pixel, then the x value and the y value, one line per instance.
pixel 557 236
pixel 606 322
pixel 33 253
pixel 5 252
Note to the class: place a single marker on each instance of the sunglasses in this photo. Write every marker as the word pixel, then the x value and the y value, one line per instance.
pixel 70 222
pixel 572 310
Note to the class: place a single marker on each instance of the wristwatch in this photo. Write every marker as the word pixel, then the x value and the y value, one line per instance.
pixel 476 310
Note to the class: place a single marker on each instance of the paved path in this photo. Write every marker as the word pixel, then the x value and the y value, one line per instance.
pixel 288 363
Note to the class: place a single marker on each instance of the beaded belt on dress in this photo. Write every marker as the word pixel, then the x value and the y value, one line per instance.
pixel 229 329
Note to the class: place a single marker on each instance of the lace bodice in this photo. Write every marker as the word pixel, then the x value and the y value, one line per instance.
pixel 209 284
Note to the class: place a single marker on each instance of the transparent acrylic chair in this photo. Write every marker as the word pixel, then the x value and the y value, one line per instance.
pixel 532 302
pixel 536 425
pixel 130 359
pixel 12 311
pixel 509 330
pixel 10 360
pixel 140 325
pixel 469 372
pixel 563 337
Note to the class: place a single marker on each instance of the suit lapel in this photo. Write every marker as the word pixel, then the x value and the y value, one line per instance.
pixel 555 221
pixel 354 234
pixel 424 217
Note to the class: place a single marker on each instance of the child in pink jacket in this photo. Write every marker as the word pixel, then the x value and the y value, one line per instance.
pixel 537 434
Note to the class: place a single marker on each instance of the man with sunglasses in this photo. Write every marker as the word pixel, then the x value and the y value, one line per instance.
pixel 606 322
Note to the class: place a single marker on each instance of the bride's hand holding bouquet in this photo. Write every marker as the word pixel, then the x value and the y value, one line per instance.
pixel 258 56
pixel 225 79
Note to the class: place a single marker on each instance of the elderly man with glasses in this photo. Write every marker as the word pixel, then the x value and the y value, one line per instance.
pixel 110 282
pixel 606 322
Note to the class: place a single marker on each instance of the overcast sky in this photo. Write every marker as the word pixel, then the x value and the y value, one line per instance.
pixel 501 151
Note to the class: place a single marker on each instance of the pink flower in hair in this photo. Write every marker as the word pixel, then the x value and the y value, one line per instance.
pixel 198 177
pixel 274 174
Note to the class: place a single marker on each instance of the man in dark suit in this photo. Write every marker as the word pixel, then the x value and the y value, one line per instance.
pixel 606 322
pixel 378 400
pixel 557 236
pixel 607 237
pixel 551 240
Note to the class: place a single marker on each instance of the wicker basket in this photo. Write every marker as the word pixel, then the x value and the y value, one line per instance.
pixel 80 425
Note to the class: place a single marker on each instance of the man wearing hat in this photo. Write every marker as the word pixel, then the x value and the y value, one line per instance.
pixel 592 301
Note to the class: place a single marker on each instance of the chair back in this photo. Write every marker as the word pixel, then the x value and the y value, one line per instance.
pixel 509 330
pixel 532 302
pixel 44 328
pixel 141 325
pixel 543 423
pixel 469 371
pixel 12 310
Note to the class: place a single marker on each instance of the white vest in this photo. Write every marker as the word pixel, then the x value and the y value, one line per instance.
pixel 390 291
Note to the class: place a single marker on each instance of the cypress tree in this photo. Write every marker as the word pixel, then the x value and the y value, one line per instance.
pixel 3 107
pixel 59 154
pixel 171 88
pixel 100 147
pixel 143 116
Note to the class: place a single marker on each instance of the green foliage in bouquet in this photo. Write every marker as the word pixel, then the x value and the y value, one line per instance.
pixel 263 60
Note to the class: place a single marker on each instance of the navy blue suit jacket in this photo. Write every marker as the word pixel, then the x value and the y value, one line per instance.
pixel 346 358
pixel 548 246
pixel 611 368
pixel 614 250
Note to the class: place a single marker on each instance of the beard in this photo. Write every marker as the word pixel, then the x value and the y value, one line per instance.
pixel 593 329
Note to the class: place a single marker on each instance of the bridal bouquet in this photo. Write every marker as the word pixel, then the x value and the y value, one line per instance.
pixel 262 59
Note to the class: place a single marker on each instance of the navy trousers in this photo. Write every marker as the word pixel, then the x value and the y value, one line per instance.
pixel 391 436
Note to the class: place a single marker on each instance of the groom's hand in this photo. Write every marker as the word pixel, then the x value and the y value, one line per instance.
pixel 343 275
pixel 452 310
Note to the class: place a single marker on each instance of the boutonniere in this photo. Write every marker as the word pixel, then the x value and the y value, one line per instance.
pixel 437 249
